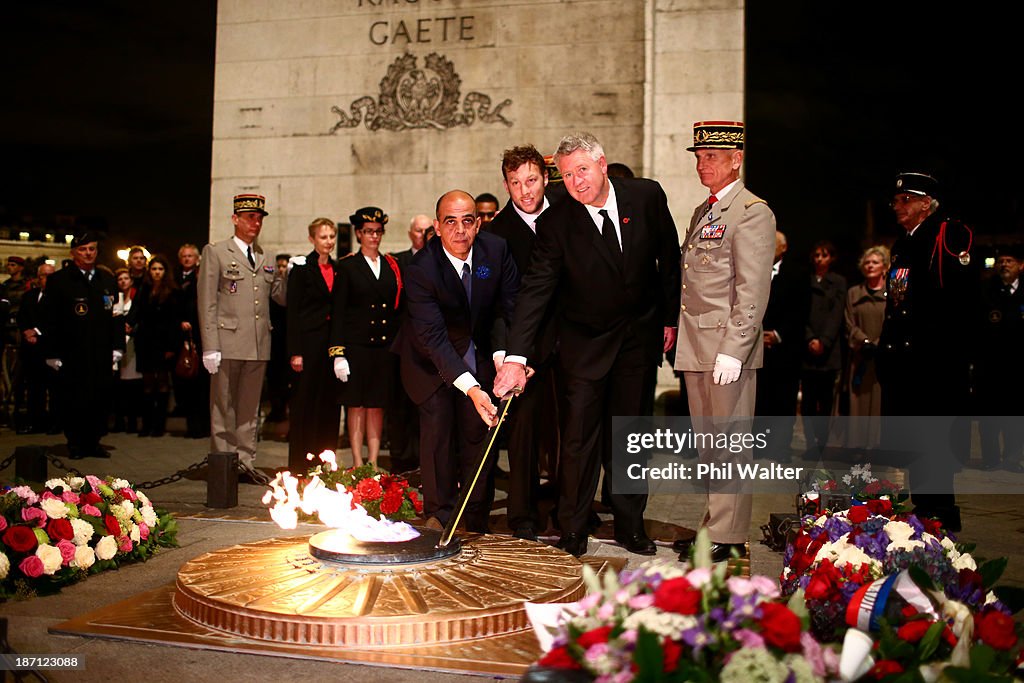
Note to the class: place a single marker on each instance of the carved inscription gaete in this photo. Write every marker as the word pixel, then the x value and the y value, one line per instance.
pixel 413 97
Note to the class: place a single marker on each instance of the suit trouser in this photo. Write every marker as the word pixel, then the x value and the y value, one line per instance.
pixel 445 410
pixel 234 406
pixel 724 408
pixel 586 440
pixel 526 438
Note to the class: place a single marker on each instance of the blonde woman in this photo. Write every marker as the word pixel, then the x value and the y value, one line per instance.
pixel 865 312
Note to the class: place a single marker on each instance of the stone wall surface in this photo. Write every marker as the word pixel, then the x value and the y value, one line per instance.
pixel 328 105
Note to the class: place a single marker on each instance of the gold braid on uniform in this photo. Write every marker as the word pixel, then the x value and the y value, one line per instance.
pixel 754 201
pixel 336 352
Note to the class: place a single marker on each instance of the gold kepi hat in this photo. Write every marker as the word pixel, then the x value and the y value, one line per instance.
pixel 250 202
pixel 717 135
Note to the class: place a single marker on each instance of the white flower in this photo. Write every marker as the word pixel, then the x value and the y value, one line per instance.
pixel 906 544
pixel 84 557
pixel 990 597
pixel 54 508
pixel 83 531
pixel 119 484
pixel 106 548
pixel 54 483
pixel 77 483
pixel 666 624
pixel 847 479
pixel 5 566
pixel 898 531
pixel 965 561
pixel 853 556
pixel 134 533
pixel 51 557
pixel 143 499
pixel 128 507
pixel 149 516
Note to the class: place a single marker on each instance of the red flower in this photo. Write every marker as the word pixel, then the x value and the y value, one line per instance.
pixel 60 530
pixel 970 579
pixel 594 636
pixel 677 595
pixel 417 504
pixel 886 667
pixel 995 629
pixel 32 567
pixel 90 498
pixel 880 507
pixel 112 525
pixel 780 627
pixel 858 514
pixel 20 539
pixel 369 489
pixel 559 658
pixel 932 526
pixel 914 630
pixel 670 653
pixel 392 502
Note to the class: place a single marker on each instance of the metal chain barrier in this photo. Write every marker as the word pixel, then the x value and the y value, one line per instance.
pixel 59 464
pixel 4 464
pixel 177 476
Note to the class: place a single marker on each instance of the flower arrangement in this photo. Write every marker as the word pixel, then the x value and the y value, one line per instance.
pixel 381 494
pixel 834 554
pixel 74 527
pixel 668 621
pixel 828 492
pixel 922 634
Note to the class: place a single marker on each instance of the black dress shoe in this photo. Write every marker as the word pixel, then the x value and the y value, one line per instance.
pixel 638 544
pixel 682 545
pixel 527 533
pixel 574 544
pixel 720 552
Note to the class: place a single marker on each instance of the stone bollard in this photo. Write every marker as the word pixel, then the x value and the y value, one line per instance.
pixel 30 463
pixel 222 480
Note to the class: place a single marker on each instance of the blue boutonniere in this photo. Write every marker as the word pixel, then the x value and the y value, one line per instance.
pixel 482 272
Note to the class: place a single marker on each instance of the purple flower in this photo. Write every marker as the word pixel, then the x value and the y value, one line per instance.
pixel 698 638
pixel 874 544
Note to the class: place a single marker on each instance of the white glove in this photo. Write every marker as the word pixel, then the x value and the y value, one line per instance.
pixel 54 363
pixel 341 370
pixel 211 361
pixel 118 355
pixel 727 369
pixel 296 261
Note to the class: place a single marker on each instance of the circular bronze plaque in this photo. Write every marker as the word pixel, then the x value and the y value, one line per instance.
pixel 274 590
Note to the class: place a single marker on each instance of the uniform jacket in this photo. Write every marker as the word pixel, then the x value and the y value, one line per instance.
pixel 440 321
pixel 309 308
pixel 78 322
pixel 727 266
pixel 598 302
pixel 365 311
pixel 234 298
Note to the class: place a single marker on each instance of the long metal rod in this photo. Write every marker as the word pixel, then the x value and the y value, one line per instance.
pixel 467 491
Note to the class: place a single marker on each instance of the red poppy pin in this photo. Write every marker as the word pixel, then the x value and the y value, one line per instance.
pixel 625 220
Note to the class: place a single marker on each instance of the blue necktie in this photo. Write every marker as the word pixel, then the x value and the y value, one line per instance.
pixel 467 284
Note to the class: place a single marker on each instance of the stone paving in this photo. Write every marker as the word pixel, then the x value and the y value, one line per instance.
pixel 994 522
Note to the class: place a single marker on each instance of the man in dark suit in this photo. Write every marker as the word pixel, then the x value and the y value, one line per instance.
pixel 531 429
pixel 778 379
pixel 37 378
pixel 609 253
pixel 81 339
pixel 192 396
pixel 401 417
pixel 455 287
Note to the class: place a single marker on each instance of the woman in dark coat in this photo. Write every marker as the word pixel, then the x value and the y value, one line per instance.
pixel 366 302
pixel 155 321
pixel 314 410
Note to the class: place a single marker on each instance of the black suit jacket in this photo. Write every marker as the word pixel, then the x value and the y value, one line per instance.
pixel 599 303
pixel 511 227
pixel 440 321
pixel 786 313
pixel 309 309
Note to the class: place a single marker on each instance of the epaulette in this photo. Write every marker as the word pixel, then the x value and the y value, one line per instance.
pixel 756 200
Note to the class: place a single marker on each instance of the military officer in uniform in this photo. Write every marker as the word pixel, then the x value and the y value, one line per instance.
pixel 923 361
pixel 80 339
pixel 234 318
pixel 727 271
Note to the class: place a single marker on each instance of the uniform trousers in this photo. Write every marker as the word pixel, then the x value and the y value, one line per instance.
pixel 724 409
pixel 234 406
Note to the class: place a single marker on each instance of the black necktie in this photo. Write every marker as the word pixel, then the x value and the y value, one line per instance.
pixel 252 261
pixel 610 238
pixel 467 284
